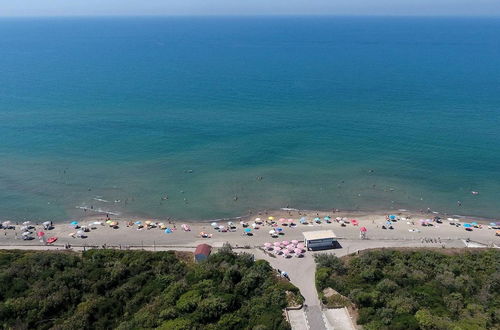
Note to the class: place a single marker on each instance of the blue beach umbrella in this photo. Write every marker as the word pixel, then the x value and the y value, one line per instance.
pixel 279 229
pixel 303 220
pixel 392 217
pixel 74 223
pixel 317 219
pixel 474 223
pixel 327 218
pixel 467 225
pixel 168 231
pixel 138 223
pixel 388 223
pixel 247 230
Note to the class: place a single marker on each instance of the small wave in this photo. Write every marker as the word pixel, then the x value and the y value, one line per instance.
pixel 100 200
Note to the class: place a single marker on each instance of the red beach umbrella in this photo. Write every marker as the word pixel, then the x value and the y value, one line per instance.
pixel 40 234
pixel 362 229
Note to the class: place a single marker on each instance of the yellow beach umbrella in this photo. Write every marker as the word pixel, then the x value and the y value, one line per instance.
pixel 108 222
pixel 113 223
pixel 271 218
pixel 147 222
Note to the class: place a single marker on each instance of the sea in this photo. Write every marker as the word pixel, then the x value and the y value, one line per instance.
pixel 215 117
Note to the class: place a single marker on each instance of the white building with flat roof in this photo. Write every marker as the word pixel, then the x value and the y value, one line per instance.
pixel 320 239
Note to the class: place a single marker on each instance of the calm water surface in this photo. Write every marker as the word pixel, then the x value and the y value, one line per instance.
pixel 352 113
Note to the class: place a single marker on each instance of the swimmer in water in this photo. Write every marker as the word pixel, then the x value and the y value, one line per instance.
pixel 459 203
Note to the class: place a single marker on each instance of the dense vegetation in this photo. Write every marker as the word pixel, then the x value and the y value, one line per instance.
pixel 103 289
pixel 416 289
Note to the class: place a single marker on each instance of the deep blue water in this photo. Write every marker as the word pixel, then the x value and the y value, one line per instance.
pixel 133 109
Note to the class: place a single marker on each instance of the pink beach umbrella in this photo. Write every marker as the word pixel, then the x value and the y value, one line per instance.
pixel 268 245
pixel 290 220
pixel 298 251
pixel 290 247
pixel 295 242
pixel 363 229
pixel 282 219
pixel 40 234
pixel 300 246
pixel 278 244
pixel 286 243
pixel 286 253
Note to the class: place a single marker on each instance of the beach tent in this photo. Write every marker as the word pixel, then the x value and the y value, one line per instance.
pixel 202 252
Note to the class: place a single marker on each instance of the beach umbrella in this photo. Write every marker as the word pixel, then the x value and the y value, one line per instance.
pixel 467 225
pixel 297 250
pixel 74 223
pixel 392 217
pixel 277 248
pixel 40 234
pixel 354 222
pixel 474 223
pixel 295 242
pixel 6 223
pixel 254 225
pixel 268 245
pixel 26 233
pixel 363 229
pixel 138 222
pixel 71 234
pixel 46 223
pixel 290 220
pixel 97 223
pixel 290 247
pixel 286 253
pixel 492 224
pixel 113 223
pixel 300 246
pixel 303 220
pixel 272 232
pixel 247 230
pixel 148 222
pixel 213 224
pixel 317 219
pixel 257 220
pixel 279 229
pixel 285 242
pixel 168 231
pixel 327 218
pixel 277 243
pixel 185 227
pixel 24 228
pixel 27 223
pixel 282 220
pixel 80 233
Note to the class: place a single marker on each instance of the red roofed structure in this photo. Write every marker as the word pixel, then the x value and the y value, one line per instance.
pixel 202 252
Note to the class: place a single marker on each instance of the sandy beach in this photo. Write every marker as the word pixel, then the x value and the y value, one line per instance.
pixel 408 228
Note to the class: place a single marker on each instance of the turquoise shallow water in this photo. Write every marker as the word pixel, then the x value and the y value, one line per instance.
pixel 133 109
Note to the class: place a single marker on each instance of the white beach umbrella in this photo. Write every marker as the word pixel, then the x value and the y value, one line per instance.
pixel 272 232
pixel 26 233
pixel 230 223
pixel 27 223
pixel 213 224
pixel 6 223
pixel 46 223
pixel 80 233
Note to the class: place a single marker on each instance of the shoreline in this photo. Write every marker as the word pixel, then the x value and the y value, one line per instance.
pixel 294 212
